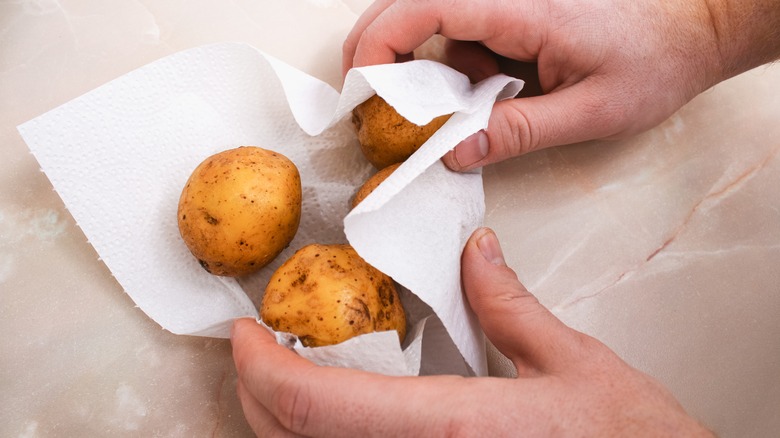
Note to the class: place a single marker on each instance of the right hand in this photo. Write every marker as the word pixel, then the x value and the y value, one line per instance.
pixel 568 384
pixel 607 68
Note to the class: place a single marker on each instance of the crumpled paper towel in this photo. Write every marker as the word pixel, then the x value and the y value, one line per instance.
pixel 120 155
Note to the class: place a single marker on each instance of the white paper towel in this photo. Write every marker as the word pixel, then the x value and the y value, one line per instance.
pixel 120 155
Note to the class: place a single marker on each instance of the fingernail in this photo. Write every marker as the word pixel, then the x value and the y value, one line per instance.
pixel 490 248
pixel 472 149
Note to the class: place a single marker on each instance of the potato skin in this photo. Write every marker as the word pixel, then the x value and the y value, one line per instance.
pixel 385 136
pixel 372 183
pixel 239 209
pixel 326 294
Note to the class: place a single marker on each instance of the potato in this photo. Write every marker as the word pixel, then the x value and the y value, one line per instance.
pixel 326 294
pixel 372 183
pixel 239 209
pixel 385 136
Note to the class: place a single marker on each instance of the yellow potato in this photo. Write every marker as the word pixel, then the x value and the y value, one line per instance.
pixel 239 209
pixel 372 183
pixel 385 136
pixel 326 294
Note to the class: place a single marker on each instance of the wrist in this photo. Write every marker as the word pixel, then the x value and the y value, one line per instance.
pixel 746 33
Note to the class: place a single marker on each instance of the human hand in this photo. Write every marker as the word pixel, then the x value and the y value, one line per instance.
pixel 568 383
pixel 607 68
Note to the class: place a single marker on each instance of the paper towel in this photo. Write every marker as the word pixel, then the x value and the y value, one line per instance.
pixel 120 155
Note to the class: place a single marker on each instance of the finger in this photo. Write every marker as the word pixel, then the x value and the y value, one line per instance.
pixel 511 317
pixel 261 421
pixel 272 378
pixel 403 26
pixel 518 126
pixel 470 58
pixel 316 401
pixel 350 43
pixel 254 347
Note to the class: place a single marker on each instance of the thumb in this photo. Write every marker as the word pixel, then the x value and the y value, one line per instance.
pixel 511 317
pixel 521 125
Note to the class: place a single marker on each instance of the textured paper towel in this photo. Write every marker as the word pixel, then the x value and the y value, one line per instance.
pixel 120 155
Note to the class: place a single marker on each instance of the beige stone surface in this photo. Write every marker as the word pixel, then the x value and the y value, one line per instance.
pixel 665 246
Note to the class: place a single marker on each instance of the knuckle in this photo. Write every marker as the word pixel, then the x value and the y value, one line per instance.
pixel 514 298
pixel 513 133
pixel 293 404
pixel 524 305
pixel 449 160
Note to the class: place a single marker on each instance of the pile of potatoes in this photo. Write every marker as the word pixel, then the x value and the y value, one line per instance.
pixel 387 139
pixel 241 208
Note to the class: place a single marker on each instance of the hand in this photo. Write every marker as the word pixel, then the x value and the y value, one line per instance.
pixel 607 68
pixel 568 383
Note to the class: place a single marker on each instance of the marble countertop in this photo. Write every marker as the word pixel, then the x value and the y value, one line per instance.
pixel 665 246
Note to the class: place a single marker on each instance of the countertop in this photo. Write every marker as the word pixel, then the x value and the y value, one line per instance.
pixel 665 246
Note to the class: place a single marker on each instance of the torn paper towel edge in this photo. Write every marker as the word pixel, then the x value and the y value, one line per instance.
pixel 379 352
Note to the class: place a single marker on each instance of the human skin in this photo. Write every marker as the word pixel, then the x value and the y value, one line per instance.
pixel 568 383
pixel 607 68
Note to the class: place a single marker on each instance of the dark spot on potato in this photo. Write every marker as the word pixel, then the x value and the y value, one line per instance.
pixel 336 267
pixel 307 340
pixel 210 219
pixel 300 280
pixel 386 292
pixel 205 265
pixel 360 312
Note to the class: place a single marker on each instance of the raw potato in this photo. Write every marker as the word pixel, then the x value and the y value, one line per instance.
pixel 326 294
pixel 385 136
pixel 372 183
pixel 240 209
